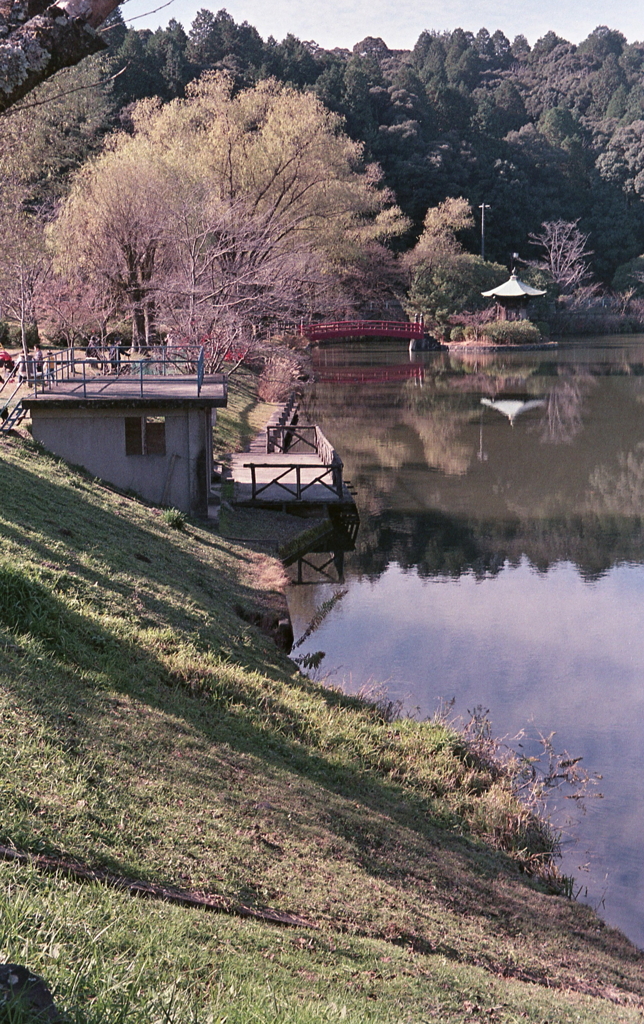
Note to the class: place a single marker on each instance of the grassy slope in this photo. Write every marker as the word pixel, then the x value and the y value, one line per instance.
pixel 147 727
pixel 244 416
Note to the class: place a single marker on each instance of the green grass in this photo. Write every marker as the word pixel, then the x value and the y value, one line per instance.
pixel 244 416
pixel 111 959
pixel 175 518
pixel 148 728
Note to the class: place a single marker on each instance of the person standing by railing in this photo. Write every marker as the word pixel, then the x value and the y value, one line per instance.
pixel 115 356
pixel 49 368
pixel 38 361
pixel 21 369
pixel 92 353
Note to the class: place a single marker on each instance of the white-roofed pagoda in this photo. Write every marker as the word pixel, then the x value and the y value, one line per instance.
pixel 512 298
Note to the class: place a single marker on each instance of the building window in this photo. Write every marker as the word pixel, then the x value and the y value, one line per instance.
pixel 145 435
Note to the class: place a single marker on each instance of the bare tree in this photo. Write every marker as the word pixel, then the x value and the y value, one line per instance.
pixel 24 265
pixel 228 271
pixel 565 254
pixel 72 310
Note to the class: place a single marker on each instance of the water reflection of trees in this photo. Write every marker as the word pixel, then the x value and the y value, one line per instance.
pixel 438 427
pixel 619 491
pixel 437 544
pixel 413 446
pixel 429 504
pixel 562 419
pixel 380 438
pixel 564 393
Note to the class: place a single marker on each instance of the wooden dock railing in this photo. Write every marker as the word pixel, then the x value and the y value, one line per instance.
pixel 329 477
pixel 283 437
pixel 325 449
pixel 279 440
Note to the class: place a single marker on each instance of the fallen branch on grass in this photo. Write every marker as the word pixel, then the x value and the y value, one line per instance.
pixel 151 890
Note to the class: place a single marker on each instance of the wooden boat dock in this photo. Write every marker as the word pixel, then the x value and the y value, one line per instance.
pixel 290 463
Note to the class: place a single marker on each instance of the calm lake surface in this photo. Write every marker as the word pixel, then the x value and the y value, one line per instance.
pixel 500 562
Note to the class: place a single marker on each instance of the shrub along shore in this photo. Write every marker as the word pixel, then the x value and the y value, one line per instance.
pixel 152 731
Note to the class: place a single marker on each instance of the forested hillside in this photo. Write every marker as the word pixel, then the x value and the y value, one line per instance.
pixel 411 143
pixel 552 131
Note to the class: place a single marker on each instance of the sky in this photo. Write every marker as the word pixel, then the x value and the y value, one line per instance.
pixel 346 22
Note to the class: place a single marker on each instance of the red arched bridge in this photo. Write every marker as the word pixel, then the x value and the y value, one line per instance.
pixel 362 329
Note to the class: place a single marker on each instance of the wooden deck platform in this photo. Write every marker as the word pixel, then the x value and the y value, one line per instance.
pixel 288 464
pixel 284 479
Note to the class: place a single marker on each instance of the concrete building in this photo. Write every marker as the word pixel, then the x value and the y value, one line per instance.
pixel 152 437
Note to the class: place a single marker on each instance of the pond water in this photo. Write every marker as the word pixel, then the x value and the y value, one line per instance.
pixel 500 562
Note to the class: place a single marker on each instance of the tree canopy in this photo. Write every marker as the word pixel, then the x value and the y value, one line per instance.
pixel 225 206
pixel 314 153
pixel 444 278
pixel 542 133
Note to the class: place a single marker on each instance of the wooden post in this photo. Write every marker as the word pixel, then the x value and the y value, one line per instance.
pixel 336 474
pixel 252 475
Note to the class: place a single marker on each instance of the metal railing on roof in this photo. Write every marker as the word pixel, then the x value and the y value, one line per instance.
pixel 116 364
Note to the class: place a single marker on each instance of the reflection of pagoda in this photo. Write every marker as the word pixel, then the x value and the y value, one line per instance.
pixel 512 298
pixel 513 406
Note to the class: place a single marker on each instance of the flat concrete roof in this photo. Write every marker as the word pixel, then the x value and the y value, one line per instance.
pixel 104 392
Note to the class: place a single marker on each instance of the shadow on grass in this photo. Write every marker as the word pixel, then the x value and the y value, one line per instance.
pixel 83 662
pixel 245 401
pixel 69 532
pixel 387 832
pixel 63 527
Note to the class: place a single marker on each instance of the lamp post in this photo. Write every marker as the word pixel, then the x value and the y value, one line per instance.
pixel 483 207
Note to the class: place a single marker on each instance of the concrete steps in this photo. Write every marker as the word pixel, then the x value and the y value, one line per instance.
pixel 282 416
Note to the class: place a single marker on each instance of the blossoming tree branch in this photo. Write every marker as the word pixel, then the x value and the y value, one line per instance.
pixel 37 39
